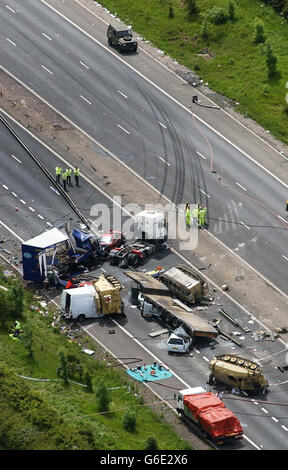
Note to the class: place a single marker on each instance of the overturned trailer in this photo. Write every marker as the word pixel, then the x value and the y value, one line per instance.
pixel 155 301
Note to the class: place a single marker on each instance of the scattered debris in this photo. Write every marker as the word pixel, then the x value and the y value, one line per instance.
pixel 158 333
pixel 267 335
pixel 225 287
pixel 88 351
pixel 281 330
pixel 229 318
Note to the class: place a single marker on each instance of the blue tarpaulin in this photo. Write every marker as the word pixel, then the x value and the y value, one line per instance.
pixel 149 373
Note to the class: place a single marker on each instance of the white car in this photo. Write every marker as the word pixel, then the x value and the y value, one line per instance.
pixel 179 344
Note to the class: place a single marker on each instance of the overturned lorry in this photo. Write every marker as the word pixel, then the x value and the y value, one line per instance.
pixel 185 283
pixel 237 372
pixel 55 253
pixel 155 301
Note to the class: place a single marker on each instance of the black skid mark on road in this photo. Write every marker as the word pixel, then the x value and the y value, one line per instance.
pixel 160 114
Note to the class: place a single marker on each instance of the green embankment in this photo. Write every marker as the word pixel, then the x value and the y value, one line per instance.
pixel 37 415
pixel 237 67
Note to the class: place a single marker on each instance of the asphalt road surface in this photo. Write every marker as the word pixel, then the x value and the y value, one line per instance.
pixel 159 139
pixel 147 130
pixel 264 424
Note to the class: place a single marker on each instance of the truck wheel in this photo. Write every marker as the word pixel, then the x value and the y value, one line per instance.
pixel 109 42
pixel 81 318
pixel 211 380
pixel 134 260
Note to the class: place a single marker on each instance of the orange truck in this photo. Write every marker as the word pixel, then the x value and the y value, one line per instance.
pixel 207 414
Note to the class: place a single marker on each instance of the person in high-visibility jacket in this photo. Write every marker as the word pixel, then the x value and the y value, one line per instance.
pixel 188 215
pixel 69 172
pixel 195 216
pixel 76 172
pixel 287 206
pixel 58 171
pixel 64 178
pixel 205 215
pixel 201 216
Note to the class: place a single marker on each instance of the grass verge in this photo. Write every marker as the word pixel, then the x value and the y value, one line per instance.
pixel 37 415
pixel 233 65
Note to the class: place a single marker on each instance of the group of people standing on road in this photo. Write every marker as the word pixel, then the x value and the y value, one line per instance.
pixel 197 217
pixel 66 176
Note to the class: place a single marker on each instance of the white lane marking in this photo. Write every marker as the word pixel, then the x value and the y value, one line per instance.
pixel 118 91
pixel 255 402
pixel 160 123
pixel 200 154
pixel 252 443
pixel 127 132
pixel 283 256
pixel 9 40
pixel 204 192
pixel 205 358
pixel 84 65
pixel 48 223
pixel 167 94
pixel 148 351
pixel 169 164
pixel 274 419
pixel 240 306
pixel 240 185
pixel 285 220
pixel 197 350
pixel 284 427
pixel 14 194
pixel 9 8
pixel 23 202
pixel 40 216
pixel 265 411
pixel 217 240
pixel 17 159
pixel 242 223
pixel 4 186
pixel 85 99
pixel 55 190
pixel 47 70
pixel 31 209
pixel 50 39
pixel 11 231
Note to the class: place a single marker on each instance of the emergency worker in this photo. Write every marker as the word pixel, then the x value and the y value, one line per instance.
pixel 58 171
pixel 64 178
pixel 76 175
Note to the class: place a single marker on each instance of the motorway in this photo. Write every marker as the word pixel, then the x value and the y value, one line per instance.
pixel 160 140
pixel 188 370
pixel 144 128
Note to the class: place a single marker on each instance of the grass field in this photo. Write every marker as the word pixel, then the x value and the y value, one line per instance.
pixel 236 67
pixel 72 403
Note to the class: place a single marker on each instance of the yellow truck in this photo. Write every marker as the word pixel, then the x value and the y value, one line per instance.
pixel 237 372
pixel 93 300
